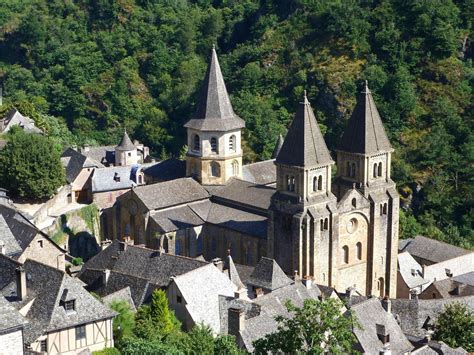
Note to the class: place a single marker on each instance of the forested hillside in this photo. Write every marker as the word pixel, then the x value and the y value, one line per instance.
pixel 101 65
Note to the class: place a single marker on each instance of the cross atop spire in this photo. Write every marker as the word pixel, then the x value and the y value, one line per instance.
pixel 365 133
pixel 304 144
pixel 214 109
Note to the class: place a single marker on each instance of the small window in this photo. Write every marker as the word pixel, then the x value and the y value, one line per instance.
pixel 40 243
pixel 322 224
pixel 232 143
pixel 354 202
pixel 70 306
pixel 326 224
pixel 315 183
pixel 320 183
pixel 215 169
pixel 214 144
pixel 44 345
pixel 129 154
pixel 80 332
pixel 359 251
pixel 375 170
pixel 380 169
pixel 345 254
pixel 179 299
pixel 197 143
pixel 293 184
pixel 384 209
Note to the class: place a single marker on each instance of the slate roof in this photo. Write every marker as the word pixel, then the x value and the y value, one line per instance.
pixel 103 179
pixel 7 267
pixel 433 250
pixel 176 218
pixel 15 118
pixel 370 313
pixel 102 154
pixel 238 220
pixel 261 173
pixel 140 268
pixel 450 288
pixel 467 278
pixel 73 162
pixel 304 144
pixel 214 109
pixel 414 314
pixel 165 170
pixel 278 146
pixel 407 265
pixel 239 192
pixel 365 133
pixel 126 143
pixel 202 303
pixel 121 295
pixel 10 319
pixel 10 243
pixel 269 275
pixel 45 287
pixel 170 193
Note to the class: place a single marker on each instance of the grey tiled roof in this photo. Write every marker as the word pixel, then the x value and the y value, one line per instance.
pixel 7 267
pixel 238 220
pixel 450 288
pixel 170 193
pixel 45 287
pixel 125 143
pixel 176 218
pixel 121 295
pixel 365 133
pixel 433 250
pixel 278 146
pixel 214 109
pixel 269 275
pixel 15 118
pixel 165 170
pixel 74 162
pixel 103 179
pixel 10 318
pixel 241 192
pixel 102 154
pixel 370 313
pixel 262 172
pixel 406 266
pixel 304 144
pixel 10 243
pixel 467 278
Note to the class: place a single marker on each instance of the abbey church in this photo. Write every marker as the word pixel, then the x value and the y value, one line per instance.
pixel 341 232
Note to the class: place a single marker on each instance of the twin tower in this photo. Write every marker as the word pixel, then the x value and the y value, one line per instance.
pixel 342 234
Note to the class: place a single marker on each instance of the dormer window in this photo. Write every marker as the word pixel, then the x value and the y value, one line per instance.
pixel 70 306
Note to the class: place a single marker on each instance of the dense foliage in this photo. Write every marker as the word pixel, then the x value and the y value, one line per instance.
pixel 124 322
pixel 455 326
pixel 100 65
pixel 316 328
pixel 30 165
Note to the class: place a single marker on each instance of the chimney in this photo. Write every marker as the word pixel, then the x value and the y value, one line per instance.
pixel 307 282
pixel 122 246
pixel 2 248
pixel 21 283
pixel 236 321
pixel 116 177
pixel 240 293
pixel 387 304
pixel 384 337
pixel 413 294
pixel 218 263
pixel 105 276
pixel 104 244
pixel 413 272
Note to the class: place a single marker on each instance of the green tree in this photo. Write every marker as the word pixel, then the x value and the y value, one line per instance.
pixel 201 340
pixel 318 327
pixel 132 346
pixel 455 326
pixel 30 166
pixel 226 344
pixel 124 322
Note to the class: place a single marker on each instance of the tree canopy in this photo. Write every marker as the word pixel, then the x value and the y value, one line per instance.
pixel 455 326
pixel 101 65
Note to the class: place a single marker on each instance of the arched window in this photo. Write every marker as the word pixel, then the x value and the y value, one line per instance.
pixel 320 183
pixel 232 144
pixel 214 145
pixel 235 168
pixel 380 169
pixel 385 208
pixel 165 244
pixel 215 169
pixel 315 183
pixel 354 202
pixel 322 225
pixel 348 169
pixel 345 254
pixel 375 170
pixel 326 224
pixel 353 172
pixel 288 183
pixel 359 251
pixel 291 184
pixel 196 143
pixel 381 287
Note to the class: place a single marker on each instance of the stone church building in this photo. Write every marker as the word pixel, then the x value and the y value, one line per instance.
pixel 341 232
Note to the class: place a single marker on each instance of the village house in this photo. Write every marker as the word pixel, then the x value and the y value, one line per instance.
pixel 15 118
pixel 11 329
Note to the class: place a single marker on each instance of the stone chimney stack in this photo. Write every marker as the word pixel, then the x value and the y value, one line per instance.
pixel 236 321
pixel 105 276
pixel 21 283
pixel 2 248
pixel 387 304
pixel 123 246
pixel 384 337
pixel 413 294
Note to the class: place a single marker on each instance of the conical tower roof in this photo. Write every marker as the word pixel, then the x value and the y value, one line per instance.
pixel 304 144
pixel 214 110
pixel 278 146
pixel 365 133
pixel 125 143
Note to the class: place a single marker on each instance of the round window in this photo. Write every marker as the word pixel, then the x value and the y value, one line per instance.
pixel 351 226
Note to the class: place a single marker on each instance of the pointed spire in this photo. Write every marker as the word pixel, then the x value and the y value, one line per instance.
pixel 214 109
pixel 126 142
pixel 278 146
pixel 365 133
pixel 304 144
